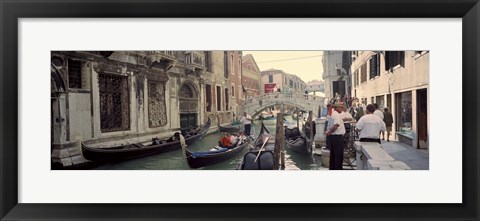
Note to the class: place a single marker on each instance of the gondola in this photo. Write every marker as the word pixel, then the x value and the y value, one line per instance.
pixel 230 128
pixel 267 117
pixel 296 141
pixel 219 154
pixel 260 157
pixel 130 151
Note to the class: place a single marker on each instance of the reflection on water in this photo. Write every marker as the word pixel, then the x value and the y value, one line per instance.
pixel 174 160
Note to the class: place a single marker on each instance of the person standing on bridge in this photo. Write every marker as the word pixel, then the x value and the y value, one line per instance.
pixel 247 121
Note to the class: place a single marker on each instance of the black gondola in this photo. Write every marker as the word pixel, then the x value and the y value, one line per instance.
pixel 260 157
pixel 267 117
pixel 230 128
pixel 130 151
pixel 207 158
pixel 297 141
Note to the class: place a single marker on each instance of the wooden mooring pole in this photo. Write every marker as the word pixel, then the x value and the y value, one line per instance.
pixel 279 142
pixel 310 119
pixel 298 116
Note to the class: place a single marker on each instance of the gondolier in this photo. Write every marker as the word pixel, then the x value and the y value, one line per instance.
pixel 247 121
pixel 335 131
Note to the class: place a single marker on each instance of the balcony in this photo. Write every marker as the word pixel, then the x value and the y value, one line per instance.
pixel 161 59
pixel 195 62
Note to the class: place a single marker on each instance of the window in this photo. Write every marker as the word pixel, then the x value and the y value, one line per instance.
pixel 74 73
pixel 233 91
pixel 270 78
pixel 403 106
pixel 374 67
pixel 208 96
pixel 380 100
pixel 239 65
pixel 363 73
pixel 208 60
pixel 225 64
pixel 232 67
pixel 114 103
pixel 157 111
pixel 394 58
pixel 226 99
pixel 219 98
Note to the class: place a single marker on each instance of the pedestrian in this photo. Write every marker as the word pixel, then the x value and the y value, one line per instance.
pixel 335 132
pixel 388 119
pixel 358 113
pixel 247 122
pixel 370 126
pixel 328 121
pixel 347 119
pixel 377 112
pixel 346 116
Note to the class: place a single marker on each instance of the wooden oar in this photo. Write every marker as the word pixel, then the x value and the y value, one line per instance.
pixel 263 145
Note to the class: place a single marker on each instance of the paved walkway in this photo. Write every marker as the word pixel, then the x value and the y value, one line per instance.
pixel 416 159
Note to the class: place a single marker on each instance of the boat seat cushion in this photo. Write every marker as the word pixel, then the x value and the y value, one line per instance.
pixel 291 133
pixel 264 161
pixel 206 153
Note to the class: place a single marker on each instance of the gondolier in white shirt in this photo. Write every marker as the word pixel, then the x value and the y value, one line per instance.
pixel 247 121
pixel 335 131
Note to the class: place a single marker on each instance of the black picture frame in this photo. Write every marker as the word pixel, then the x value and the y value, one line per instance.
pixel 11 11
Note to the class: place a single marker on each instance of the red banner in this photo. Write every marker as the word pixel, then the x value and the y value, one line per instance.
pixel 269 88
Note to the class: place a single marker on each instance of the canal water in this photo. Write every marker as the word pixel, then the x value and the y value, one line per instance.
pixel 174 160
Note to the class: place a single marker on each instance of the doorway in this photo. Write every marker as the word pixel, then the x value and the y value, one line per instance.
pixel 339 87
pixel 422 122
pixel 188 121
pixel 189 100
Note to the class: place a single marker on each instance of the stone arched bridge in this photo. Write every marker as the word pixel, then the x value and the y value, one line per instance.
pixel 255 105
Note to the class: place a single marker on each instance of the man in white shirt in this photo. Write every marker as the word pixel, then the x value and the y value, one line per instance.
pixel 335 131
pixel 346 116
pixel 247 121
pixel 370 126
pixel 378 112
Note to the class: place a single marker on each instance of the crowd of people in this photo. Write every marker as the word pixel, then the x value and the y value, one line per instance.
pixel 344 115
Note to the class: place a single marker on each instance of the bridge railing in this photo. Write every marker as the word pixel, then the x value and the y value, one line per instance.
pixel 283 96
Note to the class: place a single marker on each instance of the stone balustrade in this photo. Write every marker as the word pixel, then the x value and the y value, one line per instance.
pixel 255 105
pixel 371 156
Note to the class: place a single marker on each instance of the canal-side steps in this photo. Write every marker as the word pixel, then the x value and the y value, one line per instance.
pixel 371 156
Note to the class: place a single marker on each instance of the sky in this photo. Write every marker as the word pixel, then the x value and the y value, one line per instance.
pixel 305 64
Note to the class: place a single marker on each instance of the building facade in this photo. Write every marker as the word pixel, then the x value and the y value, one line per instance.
pixel 283 81
pixel 250 77
pixel 233 59
pixel 107 98
pixel 336 67
pixel 398 80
